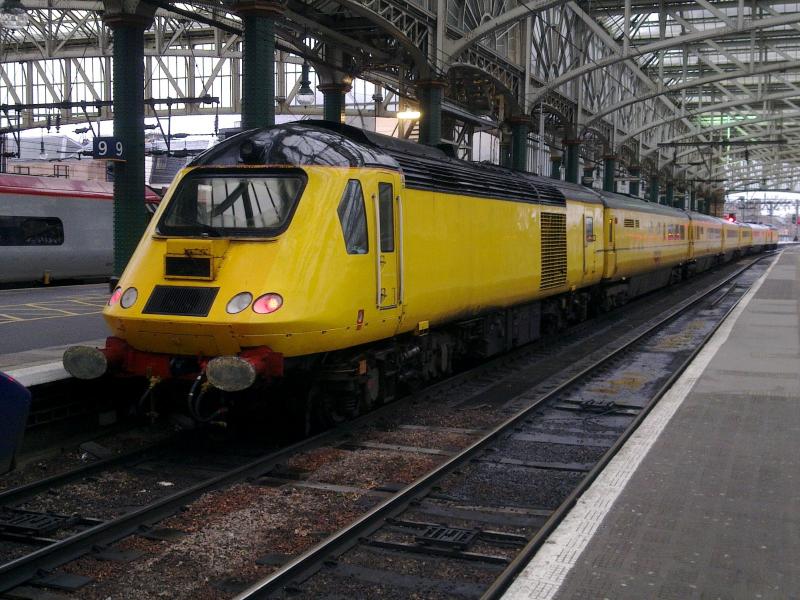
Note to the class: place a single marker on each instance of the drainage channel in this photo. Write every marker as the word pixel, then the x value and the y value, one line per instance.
pixel 460 530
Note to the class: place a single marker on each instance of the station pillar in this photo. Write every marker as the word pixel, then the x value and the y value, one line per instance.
pixel 430 93
pixel 588 176
pixel 572 158
pixel 333 100
pixel 505 152
pixel 520 126
pixel 633 186
pixel 555 164
pixel 670 200
pixel 258 61
pixel 128 102
pixel 609 170
pixel 692 199
pixel 654 189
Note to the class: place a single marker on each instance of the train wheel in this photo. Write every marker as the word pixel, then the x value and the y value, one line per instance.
pixel 323 408
pixel 371 390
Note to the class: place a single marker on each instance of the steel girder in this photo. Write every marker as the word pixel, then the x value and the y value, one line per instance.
pixel 546 56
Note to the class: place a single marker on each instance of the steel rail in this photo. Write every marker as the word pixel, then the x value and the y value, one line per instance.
pixel 506 578
pixel 27 490
pixel 310 561
pixel 19 571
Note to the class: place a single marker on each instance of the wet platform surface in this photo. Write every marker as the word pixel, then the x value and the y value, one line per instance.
pixel 37 324
pixel 704 499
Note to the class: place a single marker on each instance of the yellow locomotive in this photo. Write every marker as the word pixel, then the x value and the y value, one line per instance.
pixel 354 261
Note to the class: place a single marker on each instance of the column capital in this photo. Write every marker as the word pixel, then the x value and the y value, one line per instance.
pixel 634 169
pixel 571 142
pixel 341 88
pixel 520 120
pixel 128 14
pixel 264 8
pixel 431 83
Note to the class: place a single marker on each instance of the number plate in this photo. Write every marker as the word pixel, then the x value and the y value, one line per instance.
pixel 109 148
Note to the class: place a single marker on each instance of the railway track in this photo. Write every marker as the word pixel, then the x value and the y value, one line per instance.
pixel 438 537
pixel 437 531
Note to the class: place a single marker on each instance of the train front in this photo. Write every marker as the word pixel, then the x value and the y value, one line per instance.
pixel 231 273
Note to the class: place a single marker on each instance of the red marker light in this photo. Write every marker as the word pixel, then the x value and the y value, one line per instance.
pixel 268 303
pixel 115 296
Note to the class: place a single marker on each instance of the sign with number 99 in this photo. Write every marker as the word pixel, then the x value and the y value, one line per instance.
pixel 108 148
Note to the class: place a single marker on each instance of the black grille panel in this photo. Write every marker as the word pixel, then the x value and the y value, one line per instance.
pixel 187 266
pixel 184 301
pixel 458 177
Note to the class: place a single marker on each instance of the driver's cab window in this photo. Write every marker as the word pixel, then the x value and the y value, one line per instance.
pixel 353 218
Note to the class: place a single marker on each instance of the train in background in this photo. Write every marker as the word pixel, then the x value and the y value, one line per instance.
pixel 350 262
pixel 54 228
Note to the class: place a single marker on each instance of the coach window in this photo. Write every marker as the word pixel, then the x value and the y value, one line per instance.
pixel 353 218
pixel 386 208
pixel 31 231
pixel 589 229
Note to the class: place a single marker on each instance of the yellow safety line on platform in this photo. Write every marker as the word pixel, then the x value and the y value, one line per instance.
pixel 77 306
pixel 40 307
pixel 19 320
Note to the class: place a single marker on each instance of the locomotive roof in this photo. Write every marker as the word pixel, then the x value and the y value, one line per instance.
pixel 423 167
pixel 696 216
pixel 613 200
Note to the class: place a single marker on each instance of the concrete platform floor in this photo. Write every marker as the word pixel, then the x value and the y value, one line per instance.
pixel 37 324
pixel 704 499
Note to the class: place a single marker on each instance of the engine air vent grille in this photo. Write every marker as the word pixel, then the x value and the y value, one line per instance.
pixel 180 300
pixel 554 250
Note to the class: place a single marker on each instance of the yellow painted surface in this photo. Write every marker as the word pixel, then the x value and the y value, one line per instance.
pixel 454 257
pixel 648 246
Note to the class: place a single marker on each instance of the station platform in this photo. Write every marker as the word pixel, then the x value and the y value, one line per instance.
pixel 38 324
pixel 703 501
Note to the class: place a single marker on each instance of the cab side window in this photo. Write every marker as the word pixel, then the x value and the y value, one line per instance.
pixel 386 209
pixel 353 218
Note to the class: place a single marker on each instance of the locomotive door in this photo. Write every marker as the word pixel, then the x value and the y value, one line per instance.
pixel 386 227
pixel 589 243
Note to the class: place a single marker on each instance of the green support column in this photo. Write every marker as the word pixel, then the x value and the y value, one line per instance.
pixel 333 95
pixel 430 94
pixel 505 153
pixel 128 90
pixel 520 126
pixel 692 200
pixel 633 187
pixel 258 62
pixel 654 189
pixel 609 170
pixel 555 165
pixel 670 201
pixel 588 177
pixel 572 158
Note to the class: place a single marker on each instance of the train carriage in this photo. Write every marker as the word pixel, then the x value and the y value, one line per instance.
pixel 55 228
pixel 760 236
pixel 731 240
pixel 705 241
pixel 645 243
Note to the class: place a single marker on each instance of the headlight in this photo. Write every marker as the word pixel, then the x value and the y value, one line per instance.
pixel 239 302
pixel 129 297
pixel 115 296
pixel 268 303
